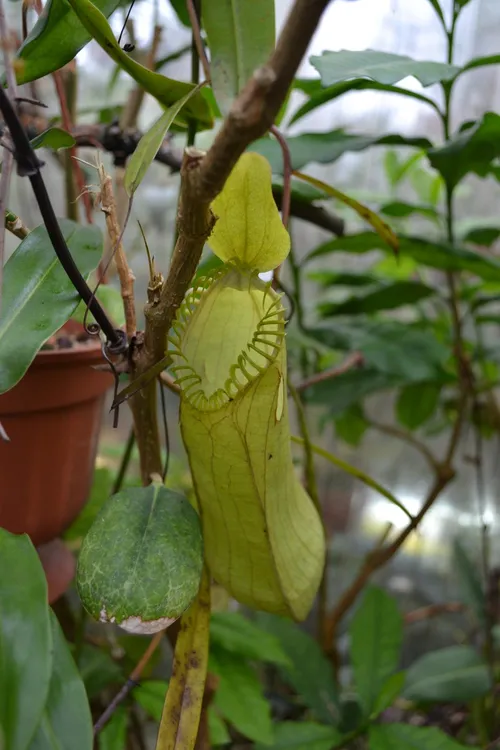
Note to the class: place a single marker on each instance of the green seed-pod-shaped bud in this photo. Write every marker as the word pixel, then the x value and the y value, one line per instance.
pixel 262 534
pixel 140 563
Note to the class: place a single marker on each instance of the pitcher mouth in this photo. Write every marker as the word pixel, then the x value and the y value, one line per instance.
pixel 229 329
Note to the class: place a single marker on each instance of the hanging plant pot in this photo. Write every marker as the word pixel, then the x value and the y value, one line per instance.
pixel 52 418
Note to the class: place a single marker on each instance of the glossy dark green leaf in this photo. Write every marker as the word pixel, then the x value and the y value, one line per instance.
pixel 233 632
pixel 390 690
pixel 241 37
pixel 113 736
pixel 25 640
pixel 66 722
pixel 54 138
pixel 402 210
pixel 325 148
pixel 329 278
pixel 475 148
pixel 386 297
pixel 239 696
pixel 112 302
pixel 38 297
pixel 484 236
pixel 383 67
pixel 433 254
pixel 150 695
pixel 399 736
pixel 165 90
pixel 471 588
pixel 351 425
pixel 150 144
pixel 304 735
pixel 310 673
pixel 322 95
pixel 453 674
pixel 417 403
pixel 55 39
pixel 376 633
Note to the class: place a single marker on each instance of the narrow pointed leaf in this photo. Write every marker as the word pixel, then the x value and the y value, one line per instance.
pixel 66 722
pixel 480 62
pixel 241 37
pixel 376 633
pixel 182 710
pixel 55 39
pixel 114 735
pixel 402 210
pixel 434 254
pixel 150 143
pixel 25 640
pixel 456 674
pixel 383 67
pixel 388 297
pixel 330 93
pixel 38 296
pixel 417 403
pixel 325 148
pixel 399 736
pixel 439 11
pixel 166 90
pixel 472 591
pixel 382 229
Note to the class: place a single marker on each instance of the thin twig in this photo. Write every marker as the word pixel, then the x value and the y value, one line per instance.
pixel 8 158
pixel 15 225
pixel 353 360
pixel 167 380
pixel 432 610
pixel 127 278
pixel 131 682
pixel 195 25
pixel 407 437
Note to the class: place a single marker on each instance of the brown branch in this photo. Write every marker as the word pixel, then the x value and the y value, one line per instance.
pixel 108 207
pixel 200 48
pixel 433 610
pixel 131 682
pixel 202 178
pixel 353 360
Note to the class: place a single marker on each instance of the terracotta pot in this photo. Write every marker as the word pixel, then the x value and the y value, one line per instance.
pixel 52 417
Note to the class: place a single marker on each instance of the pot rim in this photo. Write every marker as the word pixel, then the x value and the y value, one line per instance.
pixel 80 352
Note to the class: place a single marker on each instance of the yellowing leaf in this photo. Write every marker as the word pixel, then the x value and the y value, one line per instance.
pixel 383 230
pixel 249 228
pixel 182 709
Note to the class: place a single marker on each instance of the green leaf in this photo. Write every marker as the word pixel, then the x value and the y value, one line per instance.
pixel 434 254
pixel 239 697
pixel 38 296
pixel 351 425
pixel 480 62
pixel 98 670
pixel 325 148
pixel 484 236
pixel 309 673
pixel 181 11
pixel 101 490
pixel 456 674
pixel 327 278
pixel 66 722
pixel 417 403
pixel 54 40
pixel 150 143
pixel 165 90
pixel 114 734
pixel 475 148
pixel 25 640
pixel 233 632
pixel 304 735
pixel 472 593
pixel 383 67
pixel 217 729
pixel 386 297
pixel 376 633
pixel 320 96
pixel 402 210
pixel 399 736
pixel 391 689
pixel 150 695
pixel 349 388
pixel 55 138
pixel 437 7
pixel 241 38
